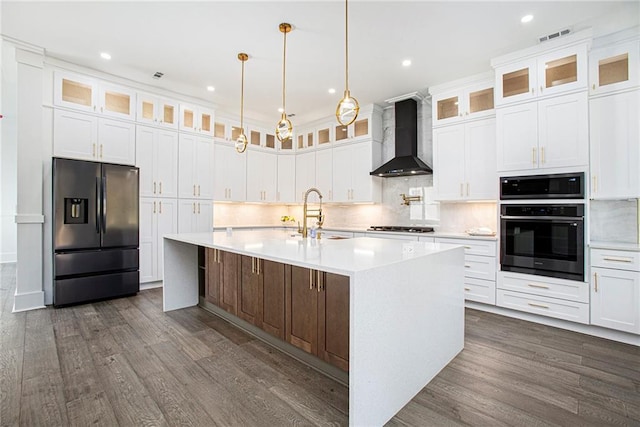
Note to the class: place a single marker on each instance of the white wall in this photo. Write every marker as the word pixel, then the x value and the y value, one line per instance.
pixel 8 155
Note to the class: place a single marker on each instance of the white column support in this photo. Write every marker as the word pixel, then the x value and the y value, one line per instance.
pixel 29 214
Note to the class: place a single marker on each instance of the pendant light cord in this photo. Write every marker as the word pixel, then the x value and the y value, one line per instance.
pixel 242 100
pixel 284 69
pixel 346 45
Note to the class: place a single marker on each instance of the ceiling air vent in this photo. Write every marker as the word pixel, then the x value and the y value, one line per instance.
pixel 158 74
pixel 554 35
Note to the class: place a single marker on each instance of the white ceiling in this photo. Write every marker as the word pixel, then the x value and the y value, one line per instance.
pixel 195 44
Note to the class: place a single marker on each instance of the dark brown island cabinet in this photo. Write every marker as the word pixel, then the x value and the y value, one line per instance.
pixel 307 308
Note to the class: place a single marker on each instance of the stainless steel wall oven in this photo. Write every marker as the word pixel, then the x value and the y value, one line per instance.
pixel 538 235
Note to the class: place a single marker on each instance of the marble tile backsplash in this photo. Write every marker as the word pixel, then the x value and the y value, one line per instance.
pixel 614 221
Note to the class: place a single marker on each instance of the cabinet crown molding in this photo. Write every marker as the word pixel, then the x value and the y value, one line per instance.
pixel 579 37
pixel 487 76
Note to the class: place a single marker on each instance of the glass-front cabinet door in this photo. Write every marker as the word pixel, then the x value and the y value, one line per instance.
pixel 516 82
pixel 563 70
pixel 77 92
pixel 614 68
pixel 156 111
pixel 465 103
pixel 117 101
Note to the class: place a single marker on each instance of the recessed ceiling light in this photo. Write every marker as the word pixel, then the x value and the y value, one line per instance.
pixel 211 88
pixel 105 55
pixel 406 62
pixel 280 110
pixel 526 18
pixel 332 90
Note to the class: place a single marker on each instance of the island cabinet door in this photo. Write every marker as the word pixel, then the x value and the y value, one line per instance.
pixel 212 276
pixel 229 278
pixel 333 320
pixel 250 291
pixel 273 295
pixel 302 310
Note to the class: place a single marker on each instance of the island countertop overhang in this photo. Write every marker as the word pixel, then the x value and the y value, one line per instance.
pixel 346 256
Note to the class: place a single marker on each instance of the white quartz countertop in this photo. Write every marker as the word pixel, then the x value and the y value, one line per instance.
pixel 345 256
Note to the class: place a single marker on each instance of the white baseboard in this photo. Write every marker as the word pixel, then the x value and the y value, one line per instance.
pixel 28 301
pixel 150 285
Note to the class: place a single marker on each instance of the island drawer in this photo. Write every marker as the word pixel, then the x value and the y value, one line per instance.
pixel 472 246
pixel 570 290
pixel 550 307
pixel 477 290
pixel 619 260
pixel 480 267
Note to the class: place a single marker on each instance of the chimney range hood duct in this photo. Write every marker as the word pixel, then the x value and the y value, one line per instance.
pixel 406 161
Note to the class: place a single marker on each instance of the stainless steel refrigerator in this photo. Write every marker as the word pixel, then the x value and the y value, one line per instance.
pixel 95 231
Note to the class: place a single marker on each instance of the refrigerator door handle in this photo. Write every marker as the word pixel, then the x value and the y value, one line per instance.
pixel 103 196
pixel 98 197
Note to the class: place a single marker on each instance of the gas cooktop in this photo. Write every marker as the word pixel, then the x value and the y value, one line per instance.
pixel 401 228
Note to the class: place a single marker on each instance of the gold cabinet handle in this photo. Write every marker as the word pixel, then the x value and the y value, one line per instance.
pixel 617 259
pixel 154 207
pixel 467 289
pixel 258 265
pixel 532 304
pixel 593 86
pixel 535 285
pixel 310 279
pixel 198 207
pixel 160 207
pixel 253 265
pixel 198 189
pixel 532 90
pixel 540 89
pixel 194 207
pixel 533 156
pixel 467 188
pixel 160 186
pixel 542 154
pixel 595 281
pixel 154 187
pixel 461 189
pixel 101 150
pixel 94 150
pixel 467 247
pixel 194 189
pixel 467 266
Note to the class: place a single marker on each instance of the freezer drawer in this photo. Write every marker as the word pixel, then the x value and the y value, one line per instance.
pixel 92 262
pixel 83 289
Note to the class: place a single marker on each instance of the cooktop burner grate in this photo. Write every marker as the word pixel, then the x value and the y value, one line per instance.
pixel 400 228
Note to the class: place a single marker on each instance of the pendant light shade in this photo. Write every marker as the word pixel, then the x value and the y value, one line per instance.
pixel 284 128
pixel 241 141
pixel 348 107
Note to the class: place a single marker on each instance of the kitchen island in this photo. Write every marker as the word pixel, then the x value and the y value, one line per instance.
pixel 406 304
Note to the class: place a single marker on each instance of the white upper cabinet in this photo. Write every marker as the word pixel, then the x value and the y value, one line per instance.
pixel 351 166
pixel 286 190
pixel 195 165
pixel 261 176
pixel 92 95
pixel 462 103
pixel 157 111
pixel 465 161
pixel 551 133
pixel 157 158
pixel 196 119
pixel 324 174
pixel 87 137
pixel 305 173
pixel 540 73
pixel 615 145
pixel 230 168
pixel 613 68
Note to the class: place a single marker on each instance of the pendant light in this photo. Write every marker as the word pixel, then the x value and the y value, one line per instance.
pixel 241 142
pixel 348 107
pixel 284 127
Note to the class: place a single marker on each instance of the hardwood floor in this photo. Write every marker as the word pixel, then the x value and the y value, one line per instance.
pixel 125 362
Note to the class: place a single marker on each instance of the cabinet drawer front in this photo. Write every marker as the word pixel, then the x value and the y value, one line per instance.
pixel 551 307
pixel 483 291
pixel 471 246
pixel 620 260
pixel 570 290
pixel 480 267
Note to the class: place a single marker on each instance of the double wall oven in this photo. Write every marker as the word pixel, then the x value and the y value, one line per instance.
pixel 542 225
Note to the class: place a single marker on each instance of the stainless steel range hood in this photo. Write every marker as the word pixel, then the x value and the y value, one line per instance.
pixel 406 161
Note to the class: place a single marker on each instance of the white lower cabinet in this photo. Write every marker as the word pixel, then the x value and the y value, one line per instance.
pixel 86 137
pixel 195 216
pixel 157 218
pixel 615 290
pixel 480 264
pixel 548 296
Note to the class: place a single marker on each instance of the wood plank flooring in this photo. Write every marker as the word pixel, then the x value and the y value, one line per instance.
pixel 125 362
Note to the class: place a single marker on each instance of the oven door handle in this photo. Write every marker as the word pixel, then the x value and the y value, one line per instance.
pixel 547 218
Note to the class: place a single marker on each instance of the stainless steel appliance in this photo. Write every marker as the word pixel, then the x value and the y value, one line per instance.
pixel 401 228
pixel 557 186
pixel 95 232
pixel 543 239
